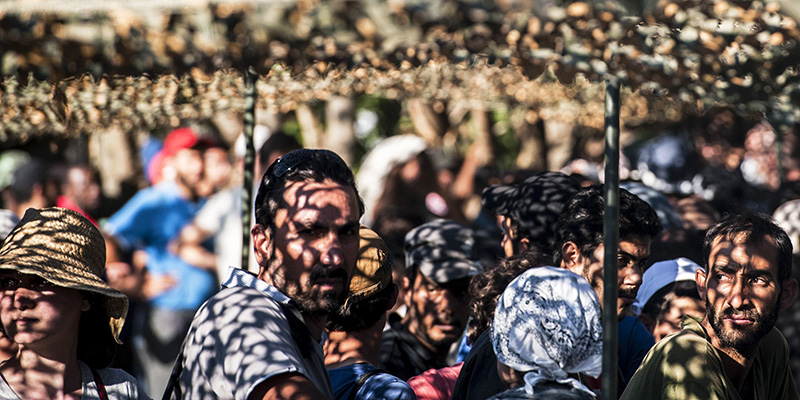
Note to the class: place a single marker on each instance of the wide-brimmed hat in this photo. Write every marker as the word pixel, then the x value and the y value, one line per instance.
pixel 67 250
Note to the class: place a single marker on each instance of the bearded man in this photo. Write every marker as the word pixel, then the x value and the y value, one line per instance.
pixel 734 352
pixel 259 337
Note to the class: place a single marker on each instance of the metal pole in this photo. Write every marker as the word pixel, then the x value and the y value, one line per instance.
pixel 611 240
pixel 249 162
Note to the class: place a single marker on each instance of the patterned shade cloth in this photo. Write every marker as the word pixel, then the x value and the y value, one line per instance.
pixel 547 324
pixel 67 250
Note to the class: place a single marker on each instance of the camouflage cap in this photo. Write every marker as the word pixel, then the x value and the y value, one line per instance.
pixel 443 250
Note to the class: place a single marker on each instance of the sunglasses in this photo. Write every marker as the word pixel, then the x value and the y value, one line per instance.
pixel 31 282
pixel 292 160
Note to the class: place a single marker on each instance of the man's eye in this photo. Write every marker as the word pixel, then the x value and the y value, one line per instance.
pixel 760 281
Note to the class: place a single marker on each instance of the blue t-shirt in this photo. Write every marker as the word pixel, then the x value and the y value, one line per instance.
pixel 634 341
pixel 379 386
pixel 149 221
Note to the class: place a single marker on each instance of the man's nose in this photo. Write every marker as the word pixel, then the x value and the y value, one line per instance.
pixel 737 296
pixel 24 298
pixel 633 276
pixel 331 251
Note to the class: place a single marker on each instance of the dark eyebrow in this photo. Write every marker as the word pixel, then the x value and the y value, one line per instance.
pixel 631 256
pixel 758 273
pixel 725 268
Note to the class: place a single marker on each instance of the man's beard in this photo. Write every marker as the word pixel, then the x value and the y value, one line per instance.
pixel 742 340
pixel 309 299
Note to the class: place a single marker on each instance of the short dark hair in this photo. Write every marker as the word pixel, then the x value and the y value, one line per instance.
pixel 582 220
pixel 755 227
pixel 361 314
pixel 307 165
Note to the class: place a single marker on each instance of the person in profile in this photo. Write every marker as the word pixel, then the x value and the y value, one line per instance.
pixel 55 306
pixel 356 328
pixel 547 331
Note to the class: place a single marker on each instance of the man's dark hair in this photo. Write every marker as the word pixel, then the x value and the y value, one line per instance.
pixel 582 220
pixel 486 287
pixel 362 314
pixel 96 344
pixel 755 227
pixel 304 165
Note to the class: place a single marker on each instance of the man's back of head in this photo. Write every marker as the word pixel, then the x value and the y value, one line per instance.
pixel 530 209
pixel 372 290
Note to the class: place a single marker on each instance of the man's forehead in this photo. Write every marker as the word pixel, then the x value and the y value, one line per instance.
pixel 725 247
pixel 635 246
pixel 307 199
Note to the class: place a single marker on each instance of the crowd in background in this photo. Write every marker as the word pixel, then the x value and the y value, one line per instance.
pixel 169 246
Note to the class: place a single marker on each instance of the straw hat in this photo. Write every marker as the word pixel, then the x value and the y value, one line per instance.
pixel 66 249
pixel 373 270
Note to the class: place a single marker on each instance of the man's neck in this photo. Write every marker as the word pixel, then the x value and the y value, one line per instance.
pixel 737 364
pixel 316 324
pixel 346 348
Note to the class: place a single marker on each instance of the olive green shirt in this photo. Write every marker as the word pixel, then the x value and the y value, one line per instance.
pixel 685 366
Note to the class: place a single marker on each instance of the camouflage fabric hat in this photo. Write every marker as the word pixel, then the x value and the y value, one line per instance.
pixel 443 250
pixel 535 204
pixel 373 270
pixel 67 250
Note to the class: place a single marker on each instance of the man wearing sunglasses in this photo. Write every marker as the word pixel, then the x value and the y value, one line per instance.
pixel 259 337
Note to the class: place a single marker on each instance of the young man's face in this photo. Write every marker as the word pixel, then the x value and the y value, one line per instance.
pixel 741 291
pixel 436 315
pixel 188 165
pixel 632 253
pixel 313 249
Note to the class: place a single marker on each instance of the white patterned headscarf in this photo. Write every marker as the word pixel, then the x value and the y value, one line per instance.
pixel 547 324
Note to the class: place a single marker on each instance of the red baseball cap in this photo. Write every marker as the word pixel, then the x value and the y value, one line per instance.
pixel 185 138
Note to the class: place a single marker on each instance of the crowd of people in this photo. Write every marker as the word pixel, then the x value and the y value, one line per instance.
pixel 391 284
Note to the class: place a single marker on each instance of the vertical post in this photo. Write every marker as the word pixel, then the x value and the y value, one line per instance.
pixel 249 162
pixel 611 239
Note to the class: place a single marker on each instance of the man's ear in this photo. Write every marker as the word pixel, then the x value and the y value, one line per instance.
pixel 571 257
pixel 262 244
pixel 524 245
pixel 393 298
pixel 700 280
pixel 407 290
pixel 788 293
